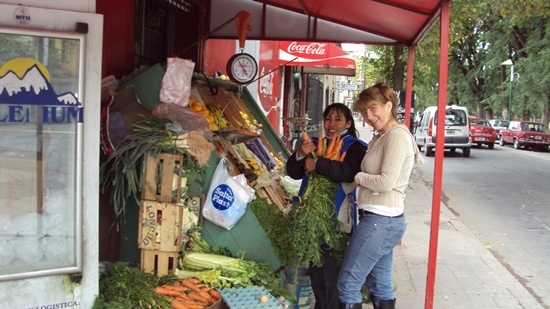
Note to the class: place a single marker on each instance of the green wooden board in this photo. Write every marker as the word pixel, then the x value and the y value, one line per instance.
pixel 148 84
pixel 246 236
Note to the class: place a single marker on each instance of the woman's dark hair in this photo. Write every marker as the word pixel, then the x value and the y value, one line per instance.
pixel 342 109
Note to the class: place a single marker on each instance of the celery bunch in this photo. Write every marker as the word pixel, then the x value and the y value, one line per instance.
pixel 222 271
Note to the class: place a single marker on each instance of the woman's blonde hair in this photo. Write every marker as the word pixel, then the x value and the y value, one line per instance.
pixel 379 92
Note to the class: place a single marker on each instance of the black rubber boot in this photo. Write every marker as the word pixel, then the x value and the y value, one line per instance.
pixel 351 306
pixel 386 304
pixel 371 298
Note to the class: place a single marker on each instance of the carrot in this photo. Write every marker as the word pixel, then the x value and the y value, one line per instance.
pixel 160 290
pixel 343 156
pixel 198 297
pixel 334 148
pixel 334 156
pixel 338 147
pixel 189 283
pixel 331 146
pixel 176 304
pixel 176 288
pixel 215 294
pixel 320 145
pixel 181 304
pixel 194 280
pixel 206 296
pixel 305 136
pixel 185 297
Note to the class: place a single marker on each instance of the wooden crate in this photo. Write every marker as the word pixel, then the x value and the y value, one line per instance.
pixel 158 262
pixel 159 236
pixel 160 226
pixel 158 179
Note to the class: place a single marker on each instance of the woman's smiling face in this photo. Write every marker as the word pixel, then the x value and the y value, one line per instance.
pixel 335 122
pixel 377 114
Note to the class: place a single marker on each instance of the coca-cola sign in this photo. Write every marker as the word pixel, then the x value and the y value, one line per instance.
pixel 316 57
pixel 309 48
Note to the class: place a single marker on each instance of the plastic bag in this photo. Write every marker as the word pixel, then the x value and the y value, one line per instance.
pixel 227 197
pixel 176 83
pixel 187 119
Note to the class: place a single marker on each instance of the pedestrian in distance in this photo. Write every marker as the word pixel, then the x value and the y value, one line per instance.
pixel 337 121
pixel 382 181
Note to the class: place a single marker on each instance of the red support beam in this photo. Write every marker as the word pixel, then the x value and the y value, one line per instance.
pixel 439 148
pixel 409 89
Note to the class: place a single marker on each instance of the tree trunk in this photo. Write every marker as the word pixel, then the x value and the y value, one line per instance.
pixel 398 68
pixel 546 113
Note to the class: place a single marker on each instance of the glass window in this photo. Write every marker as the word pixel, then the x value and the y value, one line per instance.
pixel 455 117
pixel 40 142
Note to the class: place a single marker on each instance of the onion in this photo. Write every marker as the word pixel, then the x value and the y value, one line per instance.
pixel 264 298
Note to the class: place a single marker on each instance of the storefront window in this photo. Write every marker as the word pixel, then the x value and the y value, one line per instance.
pixel 40 153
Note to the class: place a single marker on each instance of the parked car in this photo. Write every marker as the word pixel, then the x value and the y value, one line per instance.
pixel 482 132
pixel 456 127
pixel 499 125
pixel 527 134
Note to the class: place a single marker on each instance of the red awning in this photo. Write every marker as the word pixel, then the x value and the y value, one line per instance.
pixel 317 58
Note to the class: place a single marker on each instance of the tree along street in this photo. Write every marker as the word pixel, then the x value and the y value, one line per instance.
pixel 502 196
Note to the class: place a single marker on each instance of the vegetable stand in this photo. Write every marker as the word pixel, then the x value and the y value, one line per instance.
pixel 173 187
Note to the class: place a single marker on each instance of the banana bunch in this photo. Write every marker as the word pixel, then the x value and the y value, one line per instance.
pixel 256 168
pixel 199 108
pixel 219 118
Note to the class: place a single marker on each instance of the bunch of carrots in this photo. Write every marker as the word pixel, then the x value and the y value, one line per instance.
pixel 330 151
pixel 189 293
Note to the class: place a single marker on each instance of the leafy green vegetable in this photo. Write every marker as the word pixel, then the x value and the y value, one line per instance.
pixel 123 169
pixel 226 271
pixel 297 237
pixel 275 225
pixel 313 222
pixel 126 287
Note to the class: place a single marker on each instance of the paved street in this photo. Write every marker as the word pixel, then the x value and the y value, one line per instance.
pixel 467 274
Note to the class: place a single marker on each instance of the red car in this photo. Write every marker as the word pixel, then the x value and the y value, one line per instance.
pixel 482 133
pixel 527 134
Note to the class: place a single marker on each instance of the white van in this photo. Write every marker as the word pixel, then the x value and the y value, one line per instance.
pixel 457 130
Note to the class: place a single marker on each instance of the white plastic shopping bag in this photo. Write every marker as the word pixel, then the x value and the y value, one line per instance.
pixel 227 197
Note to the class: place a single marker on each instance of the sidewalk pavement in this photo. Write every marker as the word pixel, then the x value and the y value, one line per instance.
pixel 467 275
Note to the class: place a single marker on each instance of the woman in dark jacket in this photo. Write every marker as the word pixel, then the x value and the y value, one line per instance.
pixel 337 119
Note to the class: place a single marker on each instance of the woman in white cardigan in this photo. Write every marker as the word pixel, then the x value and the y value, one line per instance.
pixel 384 176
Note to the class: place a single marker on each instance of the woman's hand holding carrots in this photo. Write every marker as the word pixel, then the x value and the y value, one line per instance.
pixel 307 147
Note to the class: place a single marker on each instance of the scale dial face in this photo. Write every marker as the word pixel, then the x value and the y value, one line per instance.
pixel 242 68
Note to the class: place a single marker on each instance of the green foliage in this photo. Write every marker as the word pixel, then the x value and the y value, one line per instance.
pixel 297 236
pixel 127 287
pixel 275 226
pixel 217 267
pixel 123 169
pixel 482 36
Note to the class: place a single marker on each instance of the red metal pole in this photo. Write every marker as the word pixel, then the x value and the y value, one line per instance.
pixel 438 168
pixel 408 93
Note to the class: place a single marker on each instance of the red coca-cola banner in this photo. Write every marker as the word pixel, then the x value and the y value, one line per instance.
pixel 317 57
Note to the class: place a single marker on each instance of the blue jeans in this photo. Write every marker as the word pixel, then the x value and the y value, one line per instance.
pixel 369 257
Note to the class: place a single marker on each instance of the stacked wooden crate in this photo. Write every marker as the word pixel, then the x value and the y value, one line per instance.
pixel 161 213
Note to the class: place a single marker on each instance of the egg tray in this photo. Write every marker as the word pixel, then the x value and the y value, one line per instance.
pixel 249 298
